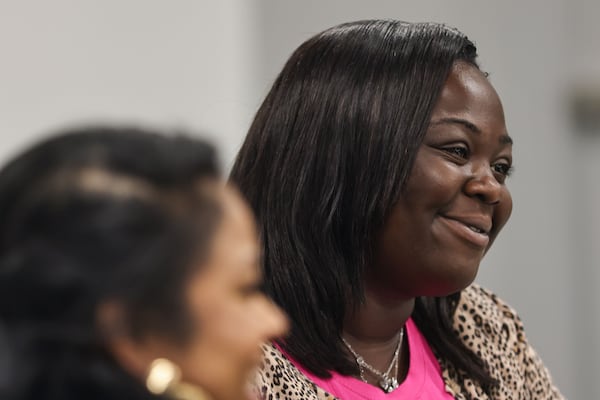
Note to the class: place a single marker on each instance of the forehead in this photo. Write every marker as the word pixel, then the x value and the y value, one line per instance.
pixel 235 247
pixel 468 93
pixel 237 215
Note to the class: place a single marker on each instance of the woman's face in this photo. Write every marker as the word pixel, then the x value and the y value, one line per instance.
pixel 455 201
pixel 233 316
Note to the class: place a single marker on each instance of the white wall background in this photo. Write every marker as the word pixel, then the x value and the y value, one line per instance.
pixel 182 63
pixel 583 62
pixel 206 65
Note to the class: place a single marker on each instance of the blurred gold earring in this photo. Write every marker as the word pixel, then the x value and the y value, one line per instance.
pixel 164 377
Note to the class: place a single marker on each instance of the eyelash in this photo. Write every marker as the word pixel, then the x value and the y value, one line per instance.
pixel 462 152
pixel 506 170
pixel 252 289
pixel 455 150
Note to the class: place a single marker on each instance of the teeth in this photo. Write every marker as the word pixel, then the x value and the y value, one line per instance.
pixel 475 229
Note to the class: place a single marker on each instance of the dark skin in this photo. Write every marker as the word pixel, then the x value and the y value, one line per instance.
pixel 455 204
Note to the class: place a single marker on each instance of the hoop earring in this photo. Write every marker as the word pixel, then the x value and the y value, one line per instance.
pixel 164 378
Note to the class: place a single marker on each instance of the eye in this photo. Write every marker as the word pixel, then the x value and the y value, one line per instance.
pixel 461 152
pixel 503 169
pixel 252 289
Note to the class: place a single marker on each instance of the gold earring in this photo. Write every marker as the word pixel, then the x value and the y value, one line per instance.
pixel 164 377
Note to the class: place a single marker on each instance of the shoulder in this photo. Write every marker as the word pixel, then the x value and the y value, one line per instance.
pixel 492 329
pixel 481 304
pixel 279 378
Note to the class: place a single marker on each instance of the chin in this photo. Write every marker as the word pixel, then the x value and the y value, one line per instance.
pixel 463 281
pixel 238 389
pixel 232 394
pixel 454 282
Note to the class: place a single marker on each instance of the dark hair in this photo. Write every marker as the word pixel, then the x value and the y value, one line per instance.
pixel 324 162
pixel 91 216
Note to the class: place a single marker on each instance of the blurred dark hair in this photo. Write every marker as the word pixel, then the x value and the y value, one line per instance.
pixel 325 160
pixel 90 216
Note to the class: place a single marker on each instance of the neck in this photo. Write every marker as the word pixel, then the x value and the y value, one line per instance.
pixel 372 329
pixel 378 319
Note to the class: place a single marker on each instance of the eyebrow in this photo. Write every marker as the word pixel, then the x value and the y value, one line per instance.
pixel 504 139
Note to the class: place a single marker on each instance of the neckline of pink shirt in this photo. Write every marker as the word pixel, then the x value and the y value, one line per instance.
pixel 422 363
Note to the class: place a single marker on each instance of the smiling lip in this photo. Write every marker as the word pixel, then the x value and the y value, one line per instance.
pixel 473 230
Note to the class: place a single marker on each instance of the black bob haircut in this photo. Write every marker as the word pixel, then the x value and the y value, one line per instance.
pixel 94 215
pixel 325 160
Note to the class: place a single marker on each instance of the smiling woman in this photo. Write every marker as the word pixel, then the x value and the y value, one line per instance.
pixel 377 167
pixel 455 201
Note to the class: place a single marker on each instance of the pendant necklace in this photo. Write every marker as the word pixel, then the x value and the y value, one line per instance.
pixel 386 381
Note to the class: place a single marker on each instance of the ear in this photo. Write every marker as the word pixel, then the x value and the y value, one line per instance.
pixel 134 356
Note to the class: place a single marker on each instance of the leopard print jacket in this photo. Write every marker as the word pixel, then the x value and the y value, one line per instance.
pixel 486 325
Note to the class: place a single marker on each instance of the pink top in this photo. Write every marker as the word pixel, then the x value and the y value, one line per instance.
pixel 423 381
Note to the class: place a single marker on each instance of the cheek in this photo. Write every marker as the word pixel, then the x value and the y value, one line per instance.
pixel 235 325
pixel 433 184
pixel 224 350
pixel 431 188
pixel 232 327
pixel 226 327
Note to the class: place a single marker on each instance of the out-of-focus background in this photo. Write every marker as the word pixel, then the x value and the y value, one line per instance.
pixel 206 65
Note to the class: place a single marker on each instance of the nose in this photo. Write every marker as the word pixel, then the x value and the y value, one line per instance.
pixel 274 321
pixel 484 186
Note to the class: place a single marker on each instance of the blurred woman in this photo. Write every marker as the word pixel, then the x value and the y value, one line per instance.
pixel 127 271
pixel 377 166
